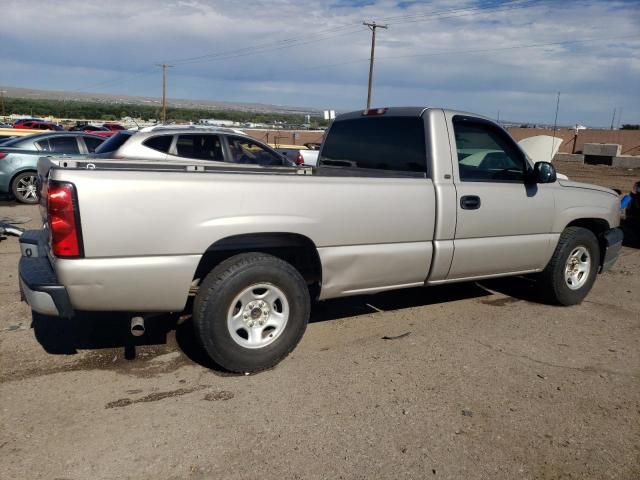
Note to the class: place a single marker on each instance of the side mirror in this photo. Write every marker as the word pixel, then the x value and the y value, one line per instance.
pixel 543 172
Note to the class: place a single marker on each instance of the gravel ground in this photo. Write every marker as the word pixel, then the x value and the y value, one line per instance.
pixel 468 381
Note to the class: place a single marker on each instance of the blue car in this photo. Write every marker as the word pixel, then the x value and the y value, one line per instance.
pixel 19 159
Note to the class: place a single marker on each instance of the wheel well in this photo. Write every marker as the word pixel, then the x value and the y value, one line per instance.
pixel 295 249
pixel 18 173
pixel 598 226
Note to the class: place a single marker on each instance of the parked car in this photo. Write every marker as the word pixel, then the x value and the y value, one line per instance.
pixel 113 126
pixel 23 120
pixel 37 125
pixel 297 154
pixel 19 158
pixel 189 143
pixel 95 129
pixel 388 207
pixel 86 127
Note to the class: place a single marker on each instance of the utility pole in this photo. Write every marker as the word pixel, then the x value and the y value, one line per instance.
pixel 619 117
pixel 555 125
pixel 2 92
pixel 498 121
pixel 613 118
pixel 372 26
pixel 164 66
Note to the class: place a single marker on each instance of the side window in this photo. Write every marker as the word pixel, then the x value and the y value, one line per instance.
pixel 201 147
pixel 377 143
pixel 161 143
pixel 44 145
pixel 244 150
pixel 92 143
pixel 486 153
pixel 64 144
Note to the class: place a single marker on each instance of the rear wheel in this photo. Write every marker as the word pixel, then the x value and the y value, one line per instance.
pixel 24 188
pixel 251 311
pixel 572 270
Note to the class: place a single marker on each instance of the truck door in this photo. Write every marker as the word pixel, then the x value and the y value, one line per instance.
pixel 503 224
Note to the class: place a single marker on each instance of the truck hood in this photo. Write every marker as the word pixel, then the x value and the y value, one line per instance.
pixel 586 186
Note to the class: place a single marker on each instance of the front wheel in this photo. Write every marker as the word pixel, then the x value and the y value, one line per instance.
pixel 572 270
pixel 251 311
pixel 24 188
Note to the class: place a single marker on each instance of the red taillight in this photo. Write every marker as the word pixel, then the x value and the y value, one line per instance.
pixel 63 224
pixel 299 159
pixel 3 154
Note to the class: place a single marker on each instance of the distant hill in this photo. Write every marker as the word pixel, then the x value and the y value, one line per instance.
pixel 112 99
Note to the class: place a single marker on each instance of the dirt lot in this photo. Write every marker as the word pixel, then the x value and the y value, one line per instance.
pixel 461 382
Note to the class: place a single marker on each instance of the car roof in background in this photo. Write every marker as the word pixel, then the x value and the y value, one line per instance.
pixel 50 133
pixel 190 128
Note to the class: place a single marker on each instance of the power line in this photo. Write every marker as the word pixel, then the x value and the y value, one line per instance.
pixel 322 34
pixel 465 11
pixel 254 51
pixel 512 47
pixel 326 34
pixel 116 80
pixel 462 52
pixel 334 32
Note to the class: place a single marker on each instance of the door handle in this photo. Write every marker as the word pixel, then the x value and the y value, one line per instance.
pixel 470 202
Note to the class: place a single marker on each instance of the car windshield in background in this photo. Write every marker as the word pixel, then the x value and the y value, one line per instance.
pixel 201 147
pixel 380 143
pixel 115 142
pixel 243 150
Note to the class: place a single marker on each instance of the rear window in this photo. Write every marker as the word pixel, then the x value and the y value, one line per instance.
pixel 114 143
pixel 92 143
pixel 378 143
pixel 62 144
pixel 160 143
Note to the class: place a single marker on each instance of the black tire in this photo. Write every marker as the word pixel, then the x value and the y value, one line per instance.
pixel 552 280
pixel 18 185
pixel 214 301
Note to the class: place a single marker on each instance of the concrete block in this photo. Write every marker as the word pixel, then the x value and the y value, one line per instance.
pixel 569 157
pixel 602 149
pixel 626 161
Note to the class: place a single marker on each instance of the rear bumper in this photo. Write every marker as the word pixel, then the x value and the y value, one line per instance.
pixel 39 285
pixel 612 244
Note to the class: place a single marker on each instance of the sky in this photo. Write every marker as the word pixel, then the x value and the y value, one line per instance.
pixel 481 56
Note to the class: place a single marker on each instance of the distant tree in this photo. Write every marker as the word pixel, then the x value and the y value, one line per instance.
pixel 95 110
pixel 629 126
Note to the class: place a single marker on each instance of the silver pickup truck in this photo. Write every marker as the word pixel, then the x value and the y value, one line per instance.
pixel 392 204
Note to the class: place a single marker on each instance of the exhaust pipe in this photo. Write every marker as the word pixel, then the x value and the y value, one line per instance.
pixel 137 326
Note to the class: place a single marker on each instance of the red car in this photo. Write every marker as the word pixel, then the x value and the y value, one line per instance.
pixel 104 133
pixel 38 125
pixel 95 129
pixel 113 126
